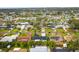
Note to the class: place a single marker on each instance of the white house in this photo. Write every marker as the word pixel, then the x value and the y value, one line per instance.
pixel 9 38
pixel 39 49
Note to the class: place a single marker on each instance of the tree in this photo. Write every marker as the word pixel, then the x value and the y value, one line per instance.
pixel 76 43
pixel 73 45
pixel 39 43
pixel 51 44
pixel 74 24
pixel 32 43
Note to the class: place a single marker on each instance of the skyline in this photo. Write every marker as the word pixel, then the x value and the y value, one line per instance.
pixel 38 3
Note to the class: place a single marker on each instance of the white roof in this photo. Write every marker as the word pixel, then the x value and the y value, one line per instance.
pixel 39 49
pixel 58 48
pixel 6 38
pixel 22 27
pixel 9 38
pixel 24 23
pixel 43 34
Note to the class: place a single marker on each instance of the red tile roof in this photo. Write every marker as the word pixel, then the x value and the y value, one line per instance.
pixel 25 38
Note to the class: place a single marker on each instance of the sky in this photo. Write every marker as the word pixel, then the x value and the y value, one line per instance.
pixel 38 3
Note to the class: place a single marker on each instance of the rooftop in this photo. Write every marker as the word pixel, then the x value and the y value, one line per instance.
pixel 39 49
